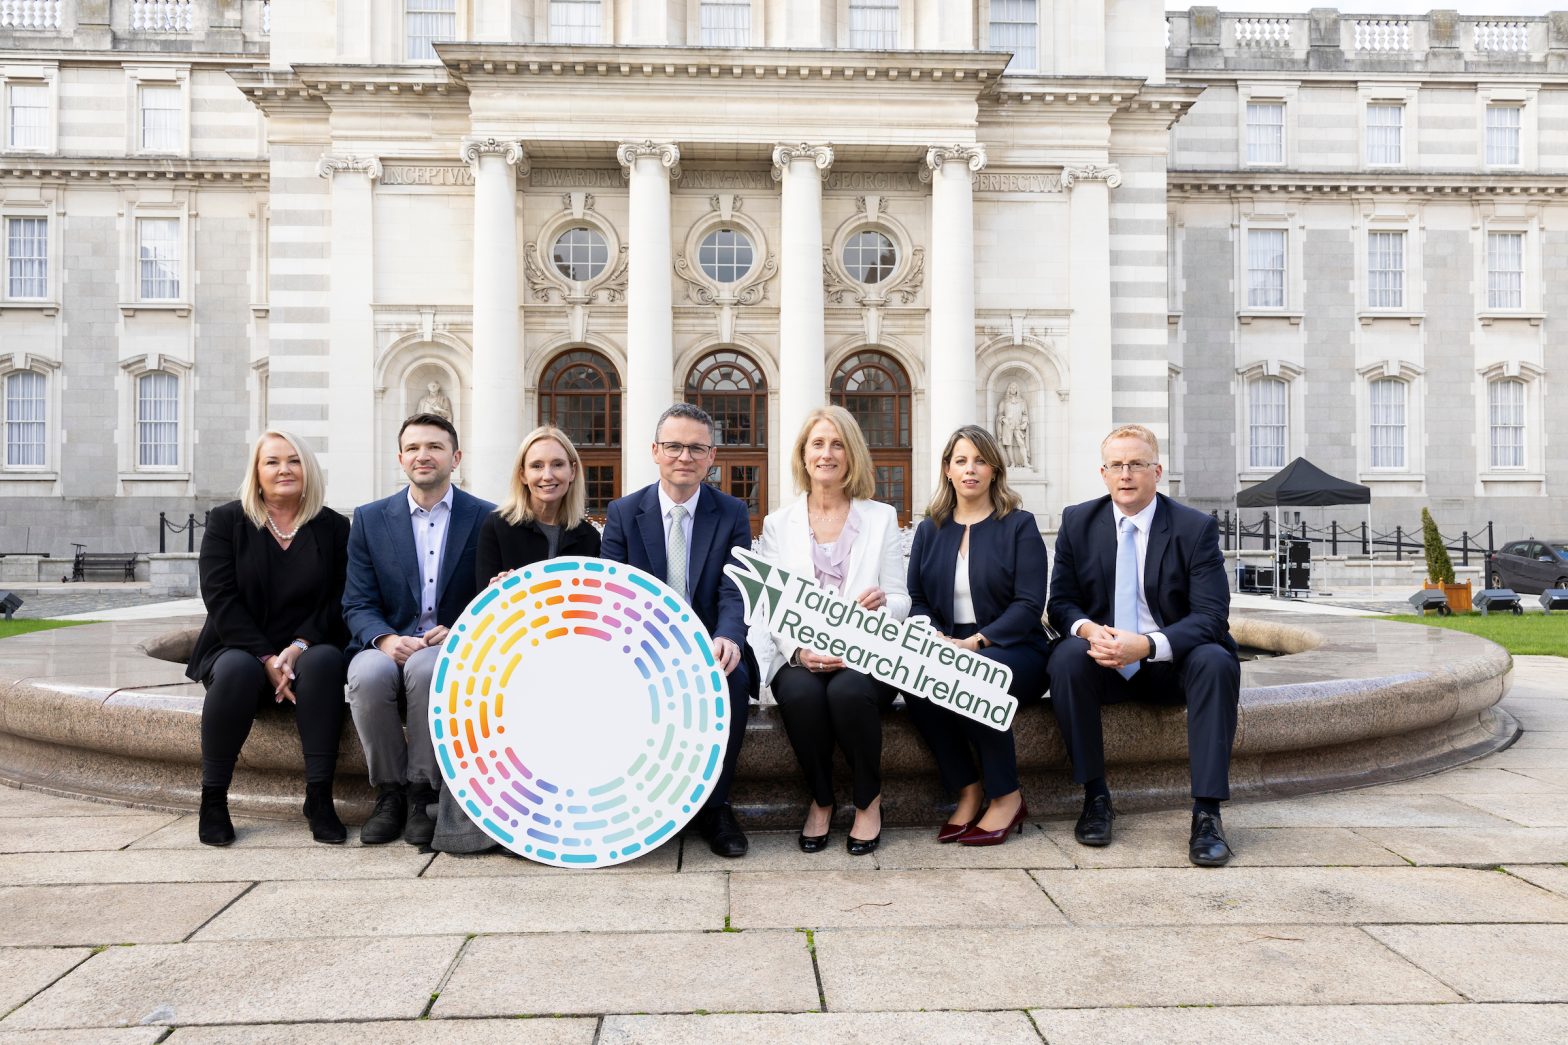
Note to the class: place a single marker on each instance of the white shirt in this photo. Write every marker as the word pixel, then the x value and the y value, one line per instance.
pixel 1146 622
pixel 963 595
pixel 429 546
pixel 690 504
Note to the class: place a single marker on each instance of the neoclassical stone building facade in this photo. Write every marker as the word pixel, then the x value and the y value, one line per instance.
pixel 221 214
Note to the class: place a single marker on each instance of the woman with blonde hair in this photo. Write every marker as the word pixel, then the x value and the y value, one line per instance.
pixel 835 532
pixel 272 568
pixel 978 571
pixel 542 517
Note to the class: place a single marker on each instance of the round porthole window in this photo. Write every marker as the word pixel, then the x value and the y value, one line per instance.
pixel 869 257
pixel 725 255
pixel 580 254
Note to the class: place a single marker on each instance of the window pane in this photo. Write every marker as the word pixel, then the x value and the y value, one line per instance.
pixel 873 24
pixel 575 21
pixel 1266 423
pixel 27 115
pixel 1502 135
pixel 1386 270
pixel 427 22
pixel 580 254
pixel 870 257
pixel 726 23
pixel 159 249
pixel 1505 410
pixel 1505 270
pixel 157 420
pixel 1266 268
pixel 1385 134
pixel 1388 423
pixel 25 420
pixel 162 111
pixel 725 255
pixel 27 257
pixel 1015 27
pixel 1265 132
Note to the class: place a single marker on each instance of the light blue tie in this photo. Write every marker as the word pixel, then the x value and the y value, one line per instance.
pixel 1127 585
pixel 675 550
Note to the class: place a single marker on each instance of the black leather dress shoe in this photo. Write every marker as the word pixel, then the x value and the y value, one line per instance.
pixel 1207 847
pixel 388 819
pixel 1094 824
pixel 420 828
pixel 722 832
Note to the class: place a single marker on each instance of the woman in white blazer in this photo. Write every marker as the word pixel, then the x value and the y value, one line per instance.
pixel 850 543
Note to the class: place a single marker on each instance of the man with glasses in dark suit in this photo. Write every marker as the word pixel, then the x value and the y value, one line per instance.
pixel 1139 593
pixel 682 532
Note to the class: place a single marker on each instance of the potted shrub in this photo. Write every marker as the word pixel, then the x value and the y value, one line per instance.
pixel 1439 568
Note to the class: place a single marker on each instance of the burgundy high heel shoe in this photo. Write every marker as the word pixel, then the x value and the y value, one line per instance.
pixel 975 836
pixel 951 832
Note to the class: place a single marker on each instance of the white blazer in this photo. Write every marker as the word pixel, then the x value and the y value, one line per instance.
pixel 875 561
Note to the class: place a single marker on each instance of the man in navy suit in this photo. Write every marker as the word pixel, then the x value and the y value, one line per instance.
pixel 1140 596
pixel 410 574
pixel 682 532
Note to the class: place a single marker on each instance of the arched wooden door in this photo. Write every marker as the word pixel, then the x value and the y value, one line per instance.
pixel 875 388
pixel 580 393
pixel 730 386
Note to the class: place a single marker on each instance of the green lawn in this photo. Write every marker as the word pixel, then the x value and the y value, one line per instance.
pixel 1533 633
pixel 22 627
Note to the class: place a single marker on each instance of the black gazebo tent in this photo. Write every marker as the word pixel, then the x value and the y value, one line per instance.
pixel 1303 484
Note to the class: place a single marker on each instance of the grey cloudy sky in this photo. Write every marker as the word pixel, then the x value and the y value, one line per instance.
pixel 1495 8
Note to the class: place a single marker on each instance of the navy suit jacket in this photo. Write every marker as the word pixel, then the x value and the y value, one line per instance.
pixel 381 595
pixel 1184 578
pixel 1007 572
pixel 634 534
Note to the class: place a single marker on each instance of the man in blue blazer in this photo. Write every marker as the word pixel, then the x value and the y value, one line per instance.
pixel 1140 597
pixel 410 574
pixel 682 532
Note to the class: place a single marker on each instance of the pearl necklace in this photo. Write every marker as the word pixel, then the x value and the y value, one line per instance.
pixel 279 534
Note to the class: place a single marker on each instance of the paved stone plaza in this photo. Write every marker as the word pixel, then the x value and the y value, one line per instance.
pixel 1430 910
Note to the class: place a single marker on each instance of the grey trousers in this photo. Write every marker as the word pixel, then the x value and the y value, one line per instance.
pixel 374 684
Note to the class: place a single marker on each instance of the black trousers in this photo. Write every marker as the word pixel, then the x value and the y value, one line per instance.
pixel 237 688
pixel 822 709
pixel 1207 680
pixel 739 682
pixel 956 740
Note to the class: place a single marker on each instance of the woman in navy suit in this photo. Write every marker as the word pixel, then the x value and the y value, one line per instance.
pixel 272 572
pixel 978 571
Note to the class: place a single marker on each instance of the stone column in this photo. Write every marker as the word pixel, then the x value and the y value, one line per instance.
pixel 802 346
pixel 500 414
pixel 650 316
pixel 351 454
pixel 950 377
pixel 1089 415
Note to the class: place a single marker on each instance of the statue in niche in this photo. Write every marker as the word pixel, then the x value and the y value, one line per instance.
pixel 1012 427
pixel 435 402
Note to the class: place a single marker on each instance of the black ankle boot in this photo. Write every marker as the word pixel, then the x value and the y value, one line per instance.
pixel 324 823
pixel 213 825
pixel 389 817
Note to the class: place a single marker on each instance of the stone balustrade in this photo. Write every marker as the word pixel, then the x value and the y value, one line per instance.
pixel 1324 39
pixel 30 14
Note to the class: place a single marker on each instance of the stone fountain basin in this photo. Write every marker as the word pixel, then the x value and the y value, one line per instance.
pixel 104 711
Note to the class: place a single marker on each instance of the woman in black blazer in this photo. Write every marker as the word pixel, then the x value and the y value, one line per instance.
pixel 978 571
pixel 272 570
pixel 543 516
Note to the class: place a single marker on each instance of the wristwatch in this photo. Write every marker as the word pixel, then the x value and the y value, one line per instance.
pixel 794 659
pixel 1150 658
pixel 301 643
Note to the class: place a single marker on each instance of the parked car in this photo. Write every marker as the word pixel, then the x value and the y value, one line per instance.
pixel 1531 565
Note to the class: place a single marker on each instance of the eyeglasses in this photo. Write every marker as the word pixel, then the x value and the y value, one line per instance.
pixel 1129 467
pixel 674 450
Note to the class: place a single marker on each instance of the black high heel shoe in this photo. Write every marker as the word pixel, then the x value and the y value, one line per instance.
pixel 862 846
pixel 814 843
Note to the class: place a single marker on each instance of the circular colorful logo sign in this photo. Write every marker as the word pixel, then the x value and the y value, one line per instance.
pixel 578 713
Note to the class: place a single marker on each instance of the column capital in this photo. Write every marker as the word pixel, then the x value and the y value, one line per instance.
pixel 1108 173
pixel 338 163
pixel 509 148
pixel 937 156
pixel 784 155
pixel 668 154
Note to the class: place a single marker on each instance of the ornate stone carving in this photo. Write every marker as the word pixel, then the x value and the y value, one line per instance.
pixel 784 155
pixel 669 155
pixel 1108 173
pixel 937 156
pixel 833 288
pixel 331 164
pixel 702 290
pixel 540 285
pixel 509 148
pixel 588 201
pixel 614 286
pixel 435 401
pixel 1012 427
pixel 913 280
